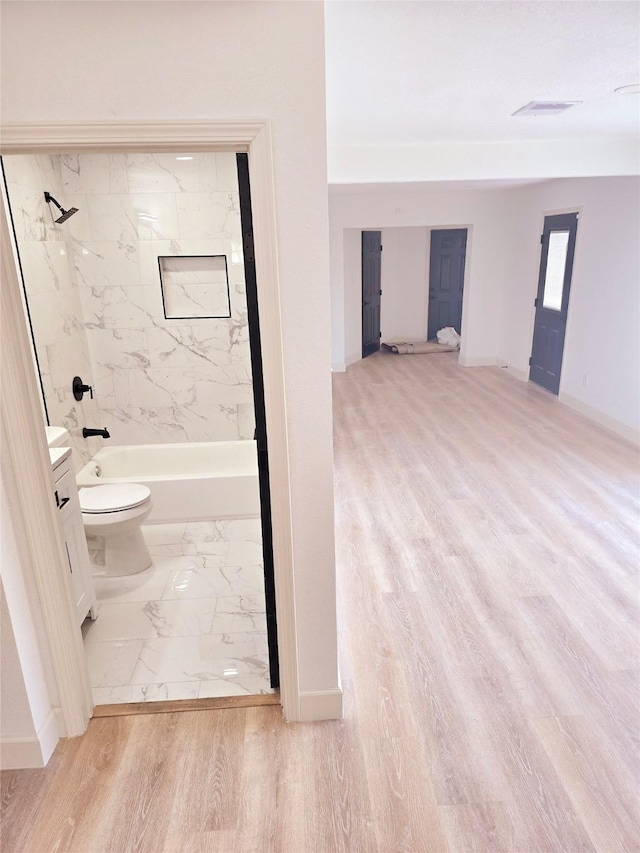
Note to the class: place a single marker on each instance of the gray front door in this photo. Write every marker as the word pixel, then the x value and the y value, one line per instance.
pixel 554 282
pixel 446 279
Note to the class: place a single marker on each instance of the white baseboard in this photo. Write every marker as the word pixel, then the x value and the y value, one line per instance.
pixel 614 425
pixel 341 366
pixel 477 361
pixel 321 705
pixel 29 753
pixel 522 375
pixel 62 731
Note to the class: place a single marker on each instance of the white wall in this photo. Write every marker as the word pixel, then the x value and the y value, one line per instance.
pixel 205 60
pixel 601 364
pixel 27 695
pixel 15 713
pixel 405 284
pixel 486 215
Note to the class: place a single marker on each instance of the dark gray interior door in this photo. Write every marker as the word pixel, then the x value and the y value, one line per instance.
pixel 446 279
pixel 554 282
pixel 371 267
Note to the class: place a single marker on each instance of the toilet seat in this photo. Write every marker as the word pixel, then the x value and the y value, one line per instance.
pixel 112 497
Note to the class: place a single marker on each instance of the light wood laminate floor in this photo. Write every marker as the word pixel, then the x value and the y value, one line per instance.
pixel 487 548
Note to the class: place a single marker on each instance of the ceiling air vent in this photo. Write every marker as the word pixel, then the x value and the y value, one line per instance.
pixel 544 108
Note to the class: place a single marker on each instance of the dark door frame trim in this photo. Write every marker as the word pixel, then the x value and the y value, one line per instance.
pixel 259 406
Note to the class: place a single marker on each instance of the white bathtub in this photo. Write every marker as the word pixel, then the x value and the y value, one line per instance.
pixel 188 482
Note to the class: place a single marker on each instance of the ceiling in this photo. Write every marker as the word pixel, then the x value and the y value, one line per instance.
pixel 422 72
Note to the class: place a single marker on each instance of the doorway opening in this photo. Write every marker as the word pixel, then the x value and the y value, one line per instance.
pixel 371 291
pixel 558 241
pixel 446 279
pixel 213 594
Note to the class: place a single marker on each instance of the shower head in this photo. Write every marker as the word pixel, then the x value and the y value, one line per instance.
pixel 65 213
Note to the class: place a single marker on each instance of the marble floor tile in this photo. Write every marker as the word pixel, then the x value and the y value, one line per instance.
pixel 245 645
pixel 196 562
pixel 162 534
pixel 176 561
pixel 234 687
pixel 192 625
pixel 182 617
pixel 174 549
pixel 241 603
pixel 144 586
pixel 111 664
pixel 209 549
pixel 146 692
pixel 244 553
pixel 204 658
pixel 233 623
pixel 223 530
pixel 247 529
pixel 208 581
pixel 239 613
pixel 121 621
pixel 196 532
pixel 145 620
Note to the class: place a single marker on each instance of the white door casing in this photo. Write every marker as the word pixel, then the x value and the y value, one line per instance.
pixel 23 436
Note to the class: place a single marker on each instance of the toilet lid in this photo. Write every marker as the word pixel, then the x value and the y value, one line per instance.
pixel 112 497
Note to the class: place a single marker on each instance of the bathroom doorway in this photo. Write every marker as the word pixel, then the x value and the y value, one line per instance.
pixel 115 299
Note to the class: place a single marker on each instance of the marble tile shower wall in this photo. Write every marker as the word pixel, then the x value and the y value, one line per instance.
pixel 53 296
pixel 159 380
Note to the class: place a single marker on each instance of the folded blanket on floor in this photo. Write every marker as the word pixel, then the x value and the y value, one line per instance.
pixel 416 348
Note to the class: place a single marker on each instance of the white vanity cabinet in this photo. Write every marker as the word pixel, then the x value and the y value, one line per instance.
pixel 72 529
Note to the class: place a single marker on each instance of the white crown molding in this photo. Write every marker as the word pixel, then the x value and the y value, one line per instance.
pixel 97 136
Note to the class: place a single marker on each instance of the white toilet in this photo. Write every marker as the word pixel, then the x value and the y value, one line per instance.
pixel 115 512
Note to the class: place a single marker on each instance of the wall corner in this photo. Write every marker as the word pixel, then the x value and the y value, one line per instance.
pixel 321 705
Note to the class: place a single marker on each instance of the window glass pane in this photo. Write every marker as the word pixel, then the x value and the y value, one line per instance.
pixel 554 277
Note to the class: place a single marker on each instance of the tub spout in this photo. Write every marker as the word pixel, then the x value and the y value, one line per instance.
pixel 86 433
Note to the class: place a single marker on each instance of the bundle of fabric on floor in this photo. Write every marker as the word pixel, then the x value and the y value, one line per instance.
pixel 448 341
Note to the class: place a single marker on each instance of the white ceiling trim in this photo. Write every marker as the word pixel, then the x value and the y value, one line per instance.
pixel 460 161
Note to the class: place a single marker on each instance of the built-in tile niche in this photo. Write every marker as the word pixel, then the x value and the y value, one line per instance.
pixel 195 287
